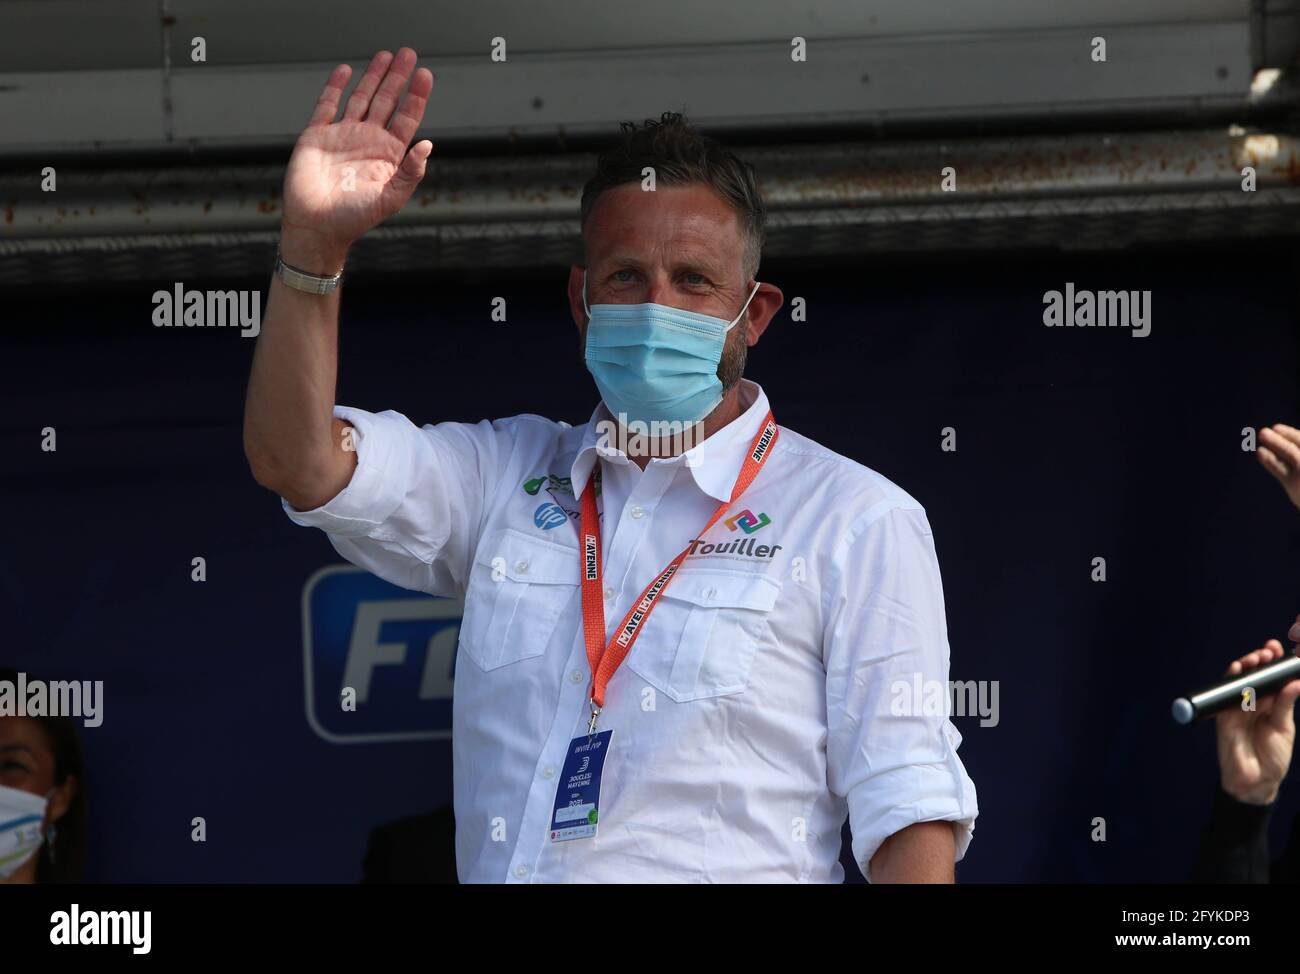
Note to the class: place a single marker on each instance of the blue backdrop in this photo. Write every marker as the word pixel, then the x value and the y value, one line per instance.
pixel 1072 444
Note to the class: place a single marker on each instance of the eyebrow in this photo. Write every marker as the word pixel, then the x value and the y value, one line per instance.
pixel 16 747
pixel 689 262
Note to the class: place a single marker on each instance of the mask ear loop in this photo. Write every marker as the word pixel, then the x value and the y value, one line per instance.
pixel 51 833
pixel 584 294
pixel 744 306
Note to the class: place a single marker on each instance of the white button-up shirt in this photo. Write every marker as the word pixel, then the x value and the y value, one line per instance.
pixel 769 695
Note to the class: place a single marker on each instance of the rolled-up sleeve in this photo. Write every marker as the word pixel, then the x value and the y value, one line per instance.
pixel 412 511
pixel 891 747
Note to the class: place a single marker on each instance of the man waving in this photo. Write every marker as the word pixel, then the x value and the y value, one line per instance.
pixel 690 634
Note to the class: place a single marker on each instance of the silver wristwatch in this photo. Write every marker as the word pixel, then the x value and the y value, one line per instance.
pixel 300 280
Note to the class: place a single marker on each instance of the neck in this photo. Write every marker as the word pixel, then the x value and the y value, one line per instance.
pixel 641 450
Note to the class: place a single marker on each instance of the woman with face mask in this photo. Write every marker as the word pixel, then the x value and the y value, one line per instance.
pixel 42 799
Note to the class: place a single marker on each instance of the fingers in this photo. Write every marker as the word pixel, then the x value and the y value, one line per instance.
pixel 1271 650
pixel 1288 433
pixel 1282 715
pixel 409 173
pixel 1270 705
pixel 407 120
pixel 391 88
pixel 1294 634
pixel 366 87
pixel 1283 444
pixel 327 106
pixel 1270 462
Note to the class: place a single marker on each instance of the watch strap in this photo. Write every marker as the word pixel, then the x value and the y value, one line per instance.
pixel 301 280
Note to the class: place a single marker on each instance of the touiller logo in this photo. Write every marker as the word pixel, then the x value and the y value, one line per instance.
pixel 396 649
pixel 747 522
pixel 550 516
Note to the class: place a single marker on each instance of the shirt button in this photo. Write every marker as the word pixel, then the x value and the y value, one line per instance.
pixel 609 594
pixel 576 676
pixel 521 871
pixel 548 771
pixel 522 566
pixel 638 511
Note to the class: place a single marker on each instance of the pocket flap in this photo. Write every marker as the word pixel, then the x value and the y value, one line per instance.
pixel 525 558
pixel 717 587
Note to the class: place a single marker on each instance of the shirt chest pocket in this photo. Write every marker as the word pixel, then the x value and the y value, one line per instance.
pixel 519 589
pixel 700 641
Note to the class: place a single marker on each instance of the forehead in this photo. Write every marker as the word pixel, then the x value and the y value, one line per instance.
pixel 24 732
pixel 628 219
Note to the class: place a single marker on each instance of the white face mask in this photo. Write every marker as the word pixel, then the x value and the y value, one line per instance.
pixel 22 828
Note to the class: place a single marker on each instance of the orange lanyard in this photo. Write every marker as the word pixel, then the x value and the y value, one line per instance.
pixel 605 659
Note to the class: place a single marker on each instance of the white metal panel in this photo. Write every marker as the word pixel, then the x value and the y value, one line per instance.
pixel 81 109
pixel 843 81
pixel 43 35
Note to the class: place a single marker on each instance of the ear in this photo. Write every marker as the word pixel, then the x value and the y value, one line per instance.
pixel 762 309
pixel 61 800
pixel 576 275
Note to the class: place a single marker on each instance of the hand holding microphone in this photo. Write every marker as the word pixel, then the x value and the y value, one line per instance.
pixel 1255 745
pixel 1253 704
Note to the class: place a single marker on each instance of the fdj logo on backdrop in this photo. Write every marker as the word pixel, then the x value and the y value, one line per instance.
pixel 395 648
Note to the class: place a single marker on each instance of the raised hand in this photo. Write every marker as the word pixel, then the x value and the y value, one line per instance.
pixel 348 176
pixel 1278 452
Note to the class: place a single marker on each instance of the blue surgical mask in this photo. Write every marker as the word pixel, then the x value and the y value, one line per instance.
pixel 22 828
pixel 652 362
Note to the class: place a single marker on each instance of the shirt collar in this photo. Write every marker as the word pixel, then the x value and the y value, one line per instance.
pixel 714 463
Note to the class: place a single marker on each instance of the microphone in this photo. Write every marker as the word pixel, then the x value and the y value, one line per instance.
pixel 1264 680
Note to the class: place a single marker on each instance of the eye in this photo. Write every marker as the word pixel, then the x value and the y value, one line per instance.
pixel 695 279
pixel 615 275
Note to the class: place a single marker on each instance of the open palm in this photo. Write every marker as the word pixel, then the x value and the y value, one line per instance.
pixel 348 176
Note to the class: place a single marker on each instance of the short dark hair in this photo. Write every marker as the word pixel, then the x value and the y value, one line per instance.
pixel 680 155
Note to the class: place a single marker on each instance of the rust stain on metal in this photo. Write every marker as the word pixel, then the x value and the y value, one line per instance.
pixel 1290 170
